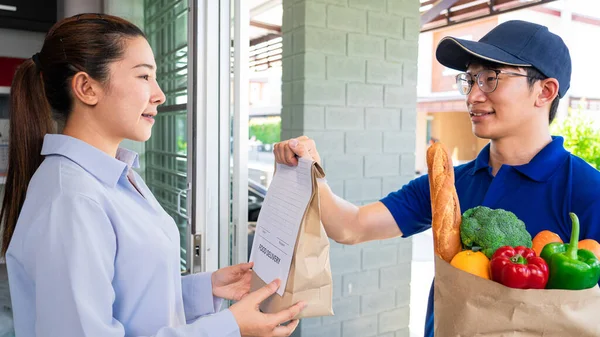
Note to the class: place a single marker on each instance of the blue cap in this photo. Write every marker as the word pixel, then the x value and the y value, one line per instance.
pixel 514 43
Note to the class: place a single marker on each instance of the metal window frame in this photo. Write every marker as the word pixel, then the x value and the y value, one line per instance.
pixel 240 132
pixel 203 126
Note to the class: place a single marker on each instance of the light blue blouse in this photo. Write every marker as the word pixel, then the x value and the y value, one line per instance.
pixel 91 256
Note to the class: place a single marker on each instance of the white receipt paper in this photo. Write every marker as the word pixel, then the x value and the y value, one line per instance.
pixel 279 221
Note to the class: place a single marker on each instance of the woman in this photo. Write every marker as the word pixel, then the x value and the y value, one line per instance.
pixel 89 250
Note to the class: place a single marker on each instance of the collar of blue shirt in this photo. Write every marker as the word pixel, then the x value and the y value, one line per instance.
pixel 104 167
pixel 540 168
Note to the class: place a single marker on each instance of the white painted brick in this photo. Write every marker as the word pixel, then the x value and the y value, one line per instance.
pixel 407 164
pixel 409 119
pixel 411 29
pixel 399 142
pixel 329 330
pixel 287 45
pixel 400 96
pixel 336 186
pixel 294 133
pixel 309 65
pixel 394 320
pixel 395 277
pixel 405 252
pixel 387 25
pixel 395 241
pixel 296 93
pixel 319 40
pixel 345 308
pixel 410 73
pixel 307 117
pixel 363 142
pixel 337 285
pixel 382 165
pixel 378 302
pixel 368 244
pixel 287 69
pixel 345 118
pixel 365 95
pixel 384 72
pixel 360 283
pixel 309 13
pixel 362 189
pixel 402 296
pixel 393 184
pixel 346 68
pixel 324 92
pixel 350 124
pixel 286 117
pixel 335 2
pixel 403 7
pixel 376 258
pixel 312 321
pixel 328 142
pixel 286 134
pixel 344 166
pixel 401 50
pixel 287 18
pixel 365 326
pixel 403 333
pixel 287 94
pixel 383 119
pixel 361 45
pixel 346 19
pixel 368 4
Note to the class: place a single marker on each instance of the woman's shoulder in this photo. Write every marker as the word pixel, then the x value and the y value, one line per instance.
pixel 58 175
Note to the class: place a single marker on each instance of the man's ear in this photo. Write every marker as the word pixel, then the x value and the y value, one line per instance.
pixel 85 88
pixel 549 92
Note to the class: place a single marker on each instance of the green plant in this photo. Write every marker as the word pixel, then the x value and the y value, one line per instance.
pixel 266 131
pixel 581 134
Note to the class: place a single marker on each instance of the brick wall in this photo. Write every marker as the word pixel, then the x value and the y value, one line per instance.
pixel 349 82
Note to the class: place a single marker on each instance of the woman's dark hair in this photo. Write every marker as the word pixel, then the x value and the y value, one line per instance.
pixel 41 90
pixel 534 76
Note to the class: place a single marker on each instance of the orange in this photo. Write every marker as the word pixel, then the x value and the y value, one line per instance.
pixel 472 262
pixel 591 245
pixel 542 239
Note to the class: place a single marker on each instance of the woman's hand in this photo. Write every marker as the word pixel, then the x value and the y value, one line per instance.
pixel 252 322
pixel 233 282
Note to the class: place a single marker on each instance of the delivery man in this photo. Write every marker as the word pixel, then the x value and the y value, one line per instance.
pixel 512 81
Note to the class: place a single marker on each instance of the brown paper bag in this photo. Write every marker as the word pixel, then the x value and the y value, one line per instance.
pixel 468 305
pixel 309 279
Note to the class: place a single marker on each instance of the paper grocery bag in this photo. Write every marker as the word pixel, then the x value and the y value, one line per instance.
pixel 468 305
pixel 309 278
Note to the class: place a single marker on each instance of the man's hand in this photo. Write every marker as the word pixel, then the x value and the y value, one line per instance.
pixel 287 152
pixel 233 282
pixel 252 322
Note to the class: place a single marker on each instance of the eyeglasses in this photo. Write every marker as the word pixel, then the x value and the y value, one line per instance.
pixel 487 80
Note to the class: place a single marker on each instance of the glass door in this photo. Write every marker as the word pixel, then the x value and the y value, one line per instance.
pixel 167 154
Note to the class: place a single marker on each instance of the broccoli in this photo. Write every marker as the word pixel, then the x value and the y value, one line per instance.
pixel 491 229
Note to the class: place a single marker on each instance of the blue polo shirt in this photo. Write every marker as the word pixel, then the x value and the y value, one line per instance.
pixel 541 193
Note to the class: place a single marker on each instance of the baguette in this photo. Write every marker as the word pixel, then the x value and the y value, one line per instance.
pixel 445 208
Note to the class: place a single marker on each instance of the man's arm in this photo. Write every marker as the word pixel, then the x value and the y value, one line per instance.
pixel 349 224
pixel 344 222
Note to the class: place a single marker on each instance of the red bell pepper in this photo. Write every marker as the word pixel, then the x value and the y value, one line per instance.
pixel 519 267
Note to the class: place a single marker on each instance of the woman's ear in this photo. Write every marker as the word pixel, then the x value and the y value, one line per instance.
pixel 85 89
pixel 549 92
